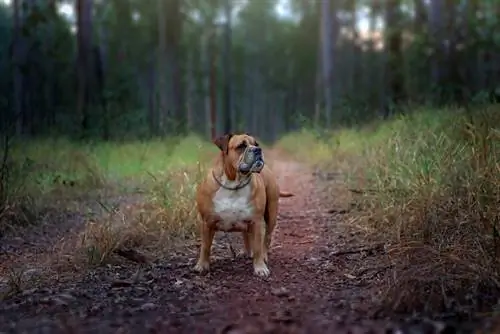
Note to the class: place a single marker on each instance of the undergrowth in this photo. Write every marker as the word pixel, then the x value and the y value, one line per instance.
pixel 166 217
pixel 46 173
pixel 430 187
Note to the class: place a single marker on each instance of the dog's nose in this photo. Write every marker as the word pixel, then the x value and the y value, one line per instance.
pixel 257 150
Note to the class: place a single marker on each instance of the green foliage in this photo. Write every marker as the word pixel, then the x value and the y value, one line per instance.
pixel 274 64
pixel 88 165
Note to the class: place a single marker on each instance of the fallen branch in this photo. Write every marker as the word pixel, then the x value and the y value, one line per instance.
pixel 340 212
pixel 357 191
pixel 372 191
pixel 377 247
pixel 304 242
pixel 377 269
pixel 132 255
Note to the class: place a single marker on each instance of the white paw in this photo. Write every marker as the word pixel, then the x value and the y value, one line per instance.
pixel 261 270
pixel 201 266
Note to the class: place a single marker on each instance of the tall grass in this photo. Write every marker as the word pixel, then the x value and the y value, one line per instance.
pixel 166 216
pixel 167 171
pixel 431 188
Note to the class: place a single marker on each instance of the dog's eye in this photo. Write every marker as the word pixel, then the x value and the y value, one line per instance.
pixel 256 144
pixel 242 146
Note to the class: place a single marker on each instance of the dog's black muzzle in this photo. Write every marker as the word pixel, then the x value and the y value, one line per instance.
pixel 252 160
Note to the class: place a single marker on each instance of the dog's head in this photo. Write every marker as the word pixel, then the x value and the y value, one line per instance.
pixel 242 151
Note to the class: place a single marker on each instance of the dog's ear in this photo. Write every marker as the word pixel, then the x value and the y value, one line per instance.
pixel 222 142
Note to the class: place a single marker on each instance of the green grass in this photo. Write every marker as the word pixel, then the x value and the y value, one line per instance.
pixel 46 173
pixel 51 161
pixel 431 187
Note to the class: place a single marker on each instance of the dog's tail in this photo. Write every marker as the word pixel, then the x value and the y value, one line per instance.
pixel 286 194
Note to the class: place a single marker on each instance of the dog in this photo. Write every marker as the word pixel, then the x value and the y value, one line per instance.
pixel 239 194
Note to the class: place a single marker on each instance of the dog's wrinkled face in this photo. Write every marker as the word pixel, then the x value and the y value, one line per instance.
pixel 243 151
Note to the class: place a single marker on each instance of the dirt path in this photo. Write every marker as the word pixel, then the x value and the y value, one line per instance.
pixel 312 289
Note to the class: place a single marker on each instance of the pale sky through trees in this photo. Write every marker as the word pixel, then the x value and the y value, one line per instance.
pixel 282 9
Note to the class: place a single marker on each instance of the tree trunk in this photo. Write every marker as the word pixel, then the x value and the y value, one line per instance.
pixel 153 109
pixel 248 90
pixel 370 64
pixel 352 50
pixel 84 40
pixel 394 69
pixel 101 70
pixel 213 84
pixel 453 68
pixel 162 68
pixel 229 116
pixel 172 54
pixel 327 58
pixel 436 31
pixel 18 56
pixel 319 83
pixel 190 79
pixel 205 60
pixel 471 76
pixel 420 16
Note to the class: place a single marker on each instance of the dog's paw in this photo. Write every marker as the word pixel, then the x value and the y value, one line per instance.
pixel 201 267
pixel 261 269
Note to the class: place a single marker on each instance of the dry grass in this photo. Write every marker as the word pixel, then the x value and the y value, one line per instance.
pixel 167 217
pixel 430 187
pixel 55 171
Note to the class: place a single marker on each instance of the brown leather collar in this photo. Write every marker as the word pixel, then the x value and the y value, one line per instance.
pixel 240 185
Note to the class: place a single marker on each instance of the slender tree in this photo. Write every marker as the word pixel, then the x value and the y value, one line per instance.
pixel 84 57
pixel 394 70
pixel 17 59
pixel 327 58
pixel 229 114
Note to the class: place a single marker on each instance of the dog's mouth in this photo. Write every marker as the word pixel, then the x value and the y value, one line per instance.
pixel 251 161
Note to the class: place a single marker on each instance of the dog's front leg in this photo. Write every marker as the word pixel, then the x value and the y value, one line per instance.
pixel 257 231
pixel 207 236
pixel 247 245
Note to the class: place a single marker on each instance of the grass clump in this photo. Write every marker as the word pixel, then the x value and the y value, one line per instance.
pixel 430 185
pixel 166 216
pixel 153 183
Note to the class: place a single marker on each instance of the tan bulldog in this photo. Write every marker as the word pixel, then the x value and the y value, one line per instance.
pixel 239 194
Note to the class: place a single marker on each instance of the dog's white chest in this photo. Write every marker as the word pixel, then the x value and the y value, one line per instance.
pixel 232 206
